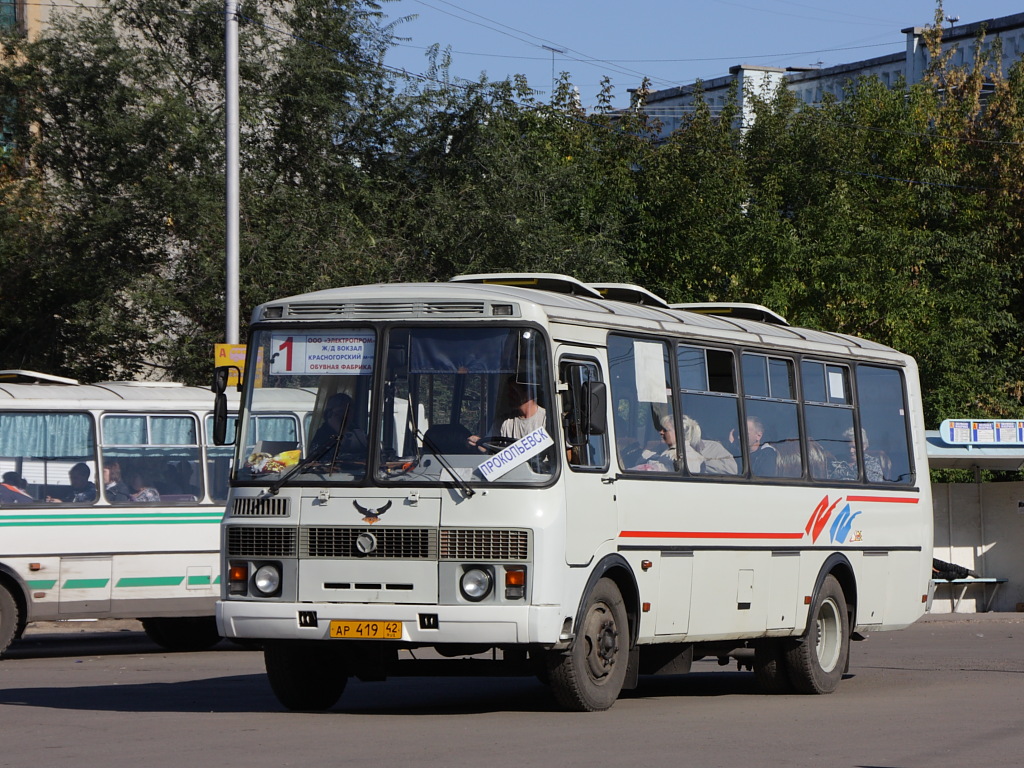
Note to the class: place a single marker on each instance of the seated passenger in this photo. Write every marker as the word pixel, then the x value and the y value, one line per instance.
pixel 764 458
pixel 848 470
pixel 116 490
pixel 82 489
pixel 666 460
pixel 716 458
pixel 12 490
pixel 143 493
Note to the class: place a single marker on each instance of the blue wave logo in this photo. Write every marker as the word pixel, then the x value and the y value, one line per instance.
pixel 840 529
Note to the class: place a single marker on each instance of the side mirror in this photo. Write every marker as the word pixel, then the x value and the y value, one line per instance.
pixel 595 401
pixel 220 418
pixel 221 377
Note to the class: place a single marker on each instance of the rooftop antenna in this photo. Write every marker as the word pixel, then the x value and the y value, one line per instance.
pixel 553 52
pixel 952 20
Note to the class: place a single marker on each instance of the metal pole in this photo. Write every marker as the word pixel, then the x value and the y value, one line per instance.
pixel 231 140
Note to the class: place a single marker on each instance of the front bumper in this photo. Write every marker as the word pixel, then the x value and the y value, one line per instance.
pixel 477 624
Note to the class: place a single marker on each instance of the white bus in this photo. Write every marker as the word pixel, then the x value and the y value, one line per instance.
pixel 496 472
pixel 110 504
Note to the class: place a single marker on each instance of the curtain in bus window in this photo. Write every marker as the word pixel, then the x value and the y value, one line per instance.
pixel 46 435
pixel 173 430
pixel 465 350
pixel 277 428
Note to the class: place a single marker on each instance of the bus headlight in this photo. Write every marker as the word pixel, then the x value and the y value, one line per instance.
pixel 267 579
pixel 476 584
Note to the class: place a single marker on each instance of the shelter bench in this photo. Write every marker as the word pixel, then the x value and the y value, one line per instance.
pixel 964 584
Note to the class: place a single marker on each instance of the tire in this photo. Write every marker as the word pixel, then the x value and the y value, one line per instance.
pixel 10 618
pixel 306 676
pixel 589 676
pixel 184 633
pixel 770 667
pixel 816 664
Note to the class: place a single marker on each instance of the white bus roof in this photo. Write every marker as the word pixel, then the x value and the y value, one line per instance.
pixel 107 395
pixel 21 376
pixel 554 298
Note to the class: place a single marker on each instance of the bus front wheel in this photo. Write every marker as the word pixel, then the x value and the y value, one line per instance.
pixel 816 664
pixel 9 618
pixel 305 676
pixel 589 676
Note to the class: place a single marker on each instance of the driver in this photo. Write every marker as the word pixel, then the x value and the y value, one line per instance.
pixel 526 416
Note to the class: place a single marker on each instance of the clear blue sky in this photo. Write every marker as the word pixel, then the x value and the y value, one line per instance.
pixel 673 42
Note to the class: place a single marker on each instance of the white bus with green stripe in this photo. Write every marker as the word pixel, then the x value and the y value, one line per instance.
pixel 110 504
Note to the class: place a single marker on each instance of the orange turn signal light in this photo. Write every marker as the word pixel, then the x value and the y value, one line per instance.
pixel 515 578
pixel 238 573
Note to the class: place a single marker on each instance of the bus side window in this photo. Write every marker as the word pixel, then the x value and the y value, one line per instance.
pixel 48 456
pixel 587 448
pixel 772 427
pixel 642 393
pixel 710 405
pixel 883 423
pixel 828 412
pixel 157 456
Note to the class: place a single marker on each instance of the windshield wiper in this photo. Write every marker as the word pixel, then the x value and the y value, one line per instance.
pixel 459 482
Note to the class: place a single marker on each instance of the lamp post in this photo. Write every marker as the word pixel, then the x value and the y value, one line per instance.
pixel 231 138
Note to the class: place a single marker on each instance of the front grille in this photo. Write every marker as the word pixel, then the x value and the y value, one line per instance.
pixel 264 506
pixel 260 541
pixel 484 544
pixel 396 543
pixel 388 309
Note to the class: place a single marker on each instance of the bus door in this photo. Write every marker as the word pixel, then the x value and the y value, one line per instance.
pixel 591 516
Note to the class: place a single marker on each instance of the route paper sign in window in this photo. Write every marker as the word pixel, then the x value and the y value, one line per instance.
pixel 342 353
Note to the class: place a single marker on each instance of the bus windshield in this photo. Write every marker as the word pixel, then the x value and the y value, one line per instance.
pixel 451 400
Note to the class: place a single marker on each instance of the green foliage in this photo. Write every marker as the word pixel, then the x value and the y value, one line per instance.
pixel 892 213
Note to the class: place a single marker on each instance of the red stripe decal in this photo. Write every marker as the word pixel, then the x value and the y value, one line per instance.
pixel 882 499
pixel 706 535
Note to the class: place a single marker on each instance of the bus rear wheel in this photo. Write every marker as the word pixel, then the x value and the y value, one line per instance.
pixel 9 618
pixel 816 663
pixel 589 676
pixel 306 676
pixel 182 633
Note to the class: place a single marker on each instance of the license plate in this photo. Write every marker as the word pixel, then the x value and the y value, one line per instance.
pixel 367 630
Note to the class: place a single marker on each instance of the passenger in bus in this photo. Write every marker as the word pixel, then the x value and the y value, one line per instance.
pixel 12 490
pixel 82 489
pixel 716 458
pixel 764 459
pixel 335 431
pixel 874 468
pixel 143 492
pixel 666 460
pixel 114 488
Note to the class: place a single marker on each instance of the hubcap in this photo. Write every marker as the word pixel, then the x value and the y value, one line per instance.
pixel 602 638
pixel 829 627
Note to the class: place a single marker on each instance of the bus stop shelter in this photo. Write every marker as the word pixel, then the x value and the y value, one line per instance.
pixel 979 526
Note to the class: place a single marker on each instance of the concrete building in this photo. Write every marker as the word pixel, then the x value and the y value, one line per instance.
pixel 30 16
pixel 811 84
